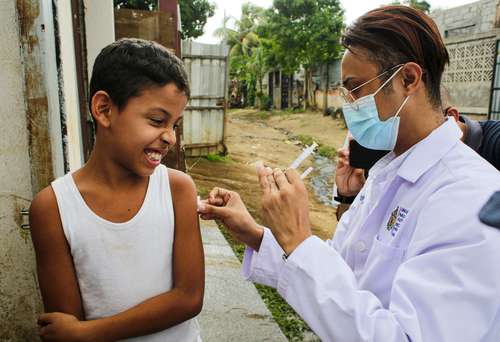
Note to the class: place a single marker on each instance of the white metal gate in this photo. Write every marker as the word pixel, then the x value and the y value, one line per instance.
pixel 204 117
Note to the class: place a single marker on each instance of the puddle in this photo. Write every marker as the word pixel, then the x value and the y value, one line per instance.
pixel 322 179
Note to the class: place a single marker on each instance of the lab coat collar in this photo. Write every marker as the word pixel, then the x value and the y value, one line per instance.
pixel 430 150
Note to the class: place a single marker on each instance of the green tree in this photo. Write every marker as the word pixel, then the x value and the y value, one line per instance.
pixel 304 32
pixel 194 13
pixel 422 5
pixel 247 52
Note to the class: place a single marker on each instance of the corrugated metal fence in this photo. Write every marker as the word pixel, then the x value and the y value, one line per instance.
pixel 204 117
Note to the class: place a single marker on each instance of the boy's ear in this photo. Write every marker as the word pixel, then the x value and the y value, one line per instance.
pixel 101 108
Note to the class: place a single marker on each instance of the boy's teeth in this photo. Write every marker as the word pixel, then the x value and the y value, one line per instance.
pixel 154 155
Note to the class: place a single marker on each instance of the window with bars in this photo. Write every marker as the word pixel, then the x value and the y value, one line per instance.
pixel 494 113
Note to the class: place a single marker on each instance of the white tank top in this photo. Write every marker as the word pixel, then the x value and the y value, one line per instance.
pixel 119 265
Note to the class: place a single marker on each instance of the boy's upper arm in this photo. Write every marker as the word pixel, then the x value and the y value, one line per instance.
pixel 56 273
pixel 188 263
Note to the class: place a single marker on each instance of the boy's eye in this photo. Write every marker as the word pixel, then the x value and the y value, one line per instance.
pixel 156 121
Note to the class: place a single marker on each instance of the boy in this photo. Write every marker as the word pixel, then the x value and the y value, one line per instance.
pixel 118 245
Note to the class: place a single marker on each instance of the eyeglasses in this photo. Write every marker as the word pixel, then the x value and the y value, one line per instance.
pixel 347 95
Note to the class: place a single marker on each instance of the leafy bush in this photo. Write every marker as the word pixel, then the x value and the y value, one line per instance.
pixel 265 102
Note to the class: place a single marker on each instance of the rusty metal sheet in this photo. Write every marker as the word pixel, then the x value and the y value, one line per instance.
pixel 159 26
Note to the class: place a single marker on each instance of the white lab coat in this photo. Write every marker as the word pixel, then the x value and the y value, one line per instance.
pixel 409 261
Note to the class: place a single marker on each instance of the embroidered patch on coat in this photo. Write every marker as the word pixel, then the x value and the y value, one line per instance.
pixel 395 220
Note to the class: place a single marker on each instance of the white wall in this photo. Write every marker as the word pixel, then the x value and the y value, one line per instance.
pixel 49 65
pixel 99 27
pixel 68 82
pixel 19 299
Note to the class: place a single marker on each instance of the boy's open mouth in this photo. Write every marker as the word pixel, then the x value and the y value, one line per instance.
pixel 154 157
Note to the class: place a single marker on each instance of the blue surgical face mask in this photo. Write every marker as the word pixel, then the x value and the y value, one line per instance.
pixel 364 123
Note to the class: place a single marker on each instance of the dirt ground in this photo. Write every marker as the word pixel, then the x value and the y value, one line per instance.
pixel 253 136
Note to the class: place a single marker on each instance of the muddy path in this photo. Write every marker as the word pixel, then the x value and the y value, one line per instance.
pixel 253 136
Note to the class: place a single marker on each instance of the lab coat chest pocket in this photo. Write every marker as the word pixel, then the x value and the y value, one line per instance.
pixel 382 264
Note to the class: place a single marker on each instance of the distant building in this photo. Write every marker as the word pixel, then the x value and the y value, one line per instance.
pixel 471 33
pixel 283 89
pixel 288 91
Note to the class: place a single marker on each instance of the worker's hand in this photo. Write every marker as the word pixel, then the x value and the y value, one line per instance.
pixel 348 179
pixel 227 207
pixel 285 206
pixel 57 326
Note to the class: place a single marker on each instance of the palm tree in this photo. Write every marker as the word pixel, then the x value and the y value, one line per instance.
pixel 247 63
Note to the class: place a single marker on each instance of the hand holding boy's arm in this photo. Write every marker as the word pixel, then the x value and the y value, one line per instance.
pixel 185 300
pixel 227 207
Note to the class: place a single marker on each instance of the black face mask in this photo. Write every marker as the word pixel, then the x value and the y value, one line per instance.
pixel 363 158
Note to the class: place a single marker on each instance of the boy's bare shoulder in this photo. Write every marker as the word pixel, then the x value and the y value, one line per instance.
pixel 180 182
pixel 44 208
pixel 44 200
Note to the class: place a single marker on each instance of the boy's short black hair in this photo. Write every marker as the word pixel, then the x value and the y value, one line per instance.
pixel 127 66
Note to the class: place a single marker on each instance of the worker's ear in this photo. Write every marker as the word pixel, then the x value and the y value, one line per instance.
pixel 452 111
pixel 411 77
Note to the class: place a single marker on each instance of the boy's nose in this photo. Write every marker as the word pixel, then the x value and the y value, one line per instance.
pixel 168 137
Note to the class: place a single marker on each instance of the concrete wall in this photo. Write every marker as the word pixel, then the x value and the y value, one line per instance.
pixel 333 100
pixel 469 75
pixel 474 18
pixel 470 33
pixel 320 82
pixel 19 299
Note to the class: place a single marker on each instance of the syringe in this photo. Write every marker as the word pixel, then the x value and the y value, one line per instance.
pixel 306 153
pixel 306 172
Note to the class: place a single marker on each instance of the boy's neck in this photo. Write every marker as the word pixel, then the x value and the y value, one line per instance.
pixel 103 170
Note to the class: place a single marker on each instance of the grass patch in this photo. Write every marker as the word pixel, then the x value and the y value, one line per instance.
pixel 327 151
pixel 258 115
pixel 263 115
pixel 215 157
pixel 295 110
pixel 305 139
pixel 292 326
pixel 323 150
pixel 266 114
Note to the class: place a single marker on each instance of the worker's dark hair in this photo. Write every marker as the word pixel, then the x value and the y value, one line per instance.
pixel 393 35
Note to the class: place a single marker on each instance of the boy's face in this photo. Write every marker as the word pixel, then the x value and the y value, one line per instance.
pixel 141 134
